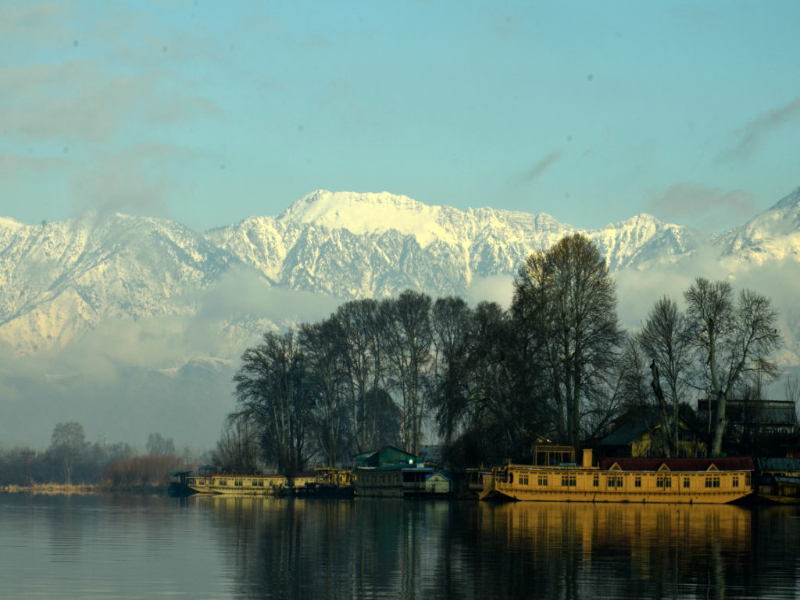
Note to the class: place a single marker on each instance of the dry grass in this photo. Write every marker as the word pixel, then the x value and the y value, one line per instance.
pixel 53 489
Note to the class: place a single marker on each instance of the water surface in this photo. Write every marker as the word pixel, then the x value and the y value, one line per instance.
pixel 202 547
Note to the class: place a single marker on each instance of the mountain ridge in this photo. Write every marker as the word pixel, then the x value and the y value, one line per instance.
pixel 141 303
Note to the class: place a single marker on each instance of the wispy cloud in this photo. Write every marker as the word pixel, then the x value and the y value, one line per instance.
pixel 85 101
pixel 134 180
pixel 539 167
pixel 15 165
pixel 748 139
pixel 701 206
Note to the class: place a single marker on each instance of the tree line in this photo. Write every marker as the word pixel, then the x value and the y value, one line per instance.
pixel 71 459
pixel 490 382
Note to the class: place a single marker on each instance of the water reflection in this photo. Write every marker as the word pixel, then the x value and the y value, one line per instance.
pixel 137 547
pixel 381 548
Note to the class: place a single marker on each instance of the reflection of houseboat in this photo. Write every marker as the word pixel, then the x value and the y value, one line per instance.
pixel 248 485
pixel 555 477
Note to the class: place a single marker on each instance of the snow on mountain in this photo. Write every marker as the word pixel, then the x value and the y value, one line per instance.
pixel 365 214
pixel 60 279
pixel 151 303
pixel 771 235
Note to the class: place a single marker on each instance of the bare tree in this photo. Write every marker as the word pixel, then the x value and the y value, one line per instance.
pixel 67 447
pixel 323 345
pixel 407 334
pixel 237 448
pixel 364 359
pixel 572 294
pixel 272 394
pixel 451 326
pixel 665 340
pixel 158 446
pixel 733 338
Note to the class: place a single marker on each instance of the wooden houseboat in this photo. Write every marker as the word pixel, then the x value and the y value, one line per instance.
pixel 394 473
pixel 555 477
pixel 248 485
pixel 778 480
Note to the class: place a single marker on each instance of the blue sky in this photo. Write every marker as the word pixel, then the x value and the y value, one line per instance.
pixel 210 112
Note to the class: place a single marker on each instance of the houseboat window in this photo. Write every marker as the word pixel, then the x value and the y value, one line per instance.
pixel 735 482
pixel 612 481
pixel 667 482
pixel 637 482
pixel 542 479
pixel 747 479
pixel 237 482
pixel 569 480
pixel 511 477
pixel 201 482
pixel 596 480
pixel 223 482
pixel 523 479
pixel 686 482
pixel 660 482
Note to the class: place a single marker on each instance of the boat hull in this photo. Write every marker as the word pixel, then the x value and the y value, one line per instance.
pixel 571 484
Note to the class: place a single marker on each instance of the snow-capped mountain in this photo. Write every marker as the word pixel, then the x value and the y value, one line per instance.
pixel 154 296
pixel 771 235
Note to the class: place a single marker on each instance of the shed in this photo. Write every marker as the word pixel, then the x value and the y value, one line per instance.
pixel 438 483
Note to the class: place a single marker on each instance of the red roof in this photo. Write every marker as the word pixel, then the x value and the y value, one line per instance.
pixel 678 464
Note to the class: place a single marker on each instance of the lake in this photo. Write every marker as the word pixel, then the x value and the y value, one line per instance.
pixel 203 547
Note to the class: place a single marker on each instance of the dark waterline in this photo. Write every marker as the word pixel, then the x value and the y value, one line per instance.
pixel 201 547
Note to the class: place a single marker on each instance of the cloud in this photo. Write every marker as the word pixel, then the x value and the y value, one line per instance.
pixel 751 136
pixel 639 288
pixel 134 181
pixel 540 167
pixel 701 206
pixel 84 100
pixel 15 165
pixel 498 288
pixel 243 294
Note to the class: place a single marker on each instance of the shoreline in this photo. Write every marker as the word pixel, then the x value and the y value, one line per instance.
pixel 83 489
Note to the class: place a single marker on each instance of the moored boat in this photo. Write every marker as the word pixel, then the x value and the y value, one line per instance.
pixel 248 485
pixel 555 477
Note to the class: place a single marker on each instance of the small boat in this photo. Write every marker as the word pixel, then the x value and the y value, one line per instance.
pixel 555 477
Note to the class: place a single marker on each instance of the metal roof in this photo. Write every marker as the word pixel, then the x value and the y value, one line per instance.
pixel 678 464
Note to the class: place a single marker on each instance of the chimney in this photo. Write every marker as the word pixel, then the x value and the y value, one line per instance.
pixel 587 458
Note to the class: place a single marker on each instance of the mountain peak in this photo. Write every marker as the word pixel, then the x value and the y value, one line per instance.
pixel 367 213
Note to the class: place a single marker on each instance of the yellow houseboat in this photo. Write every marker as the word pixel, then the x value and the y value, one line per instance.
pixel 248 485
pixel 555 477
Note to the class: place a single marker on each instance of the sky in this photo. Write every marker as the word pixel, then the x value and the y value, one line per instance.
pixel 210 112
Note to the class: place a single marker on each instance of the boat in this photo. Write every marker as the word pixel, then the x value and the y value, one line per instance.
pixel 402 481
pixel 330 483
pixel 555 477
pixel 778 480
pixel 248 485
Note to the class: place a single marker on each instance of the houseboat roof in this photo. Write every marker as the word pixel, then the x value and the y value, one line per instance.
pixel 678 464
